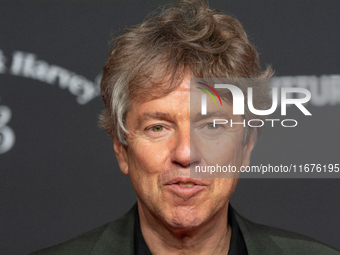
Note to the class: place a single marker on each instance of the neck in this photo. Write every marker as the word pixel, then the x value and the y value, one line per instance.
pixel 211 237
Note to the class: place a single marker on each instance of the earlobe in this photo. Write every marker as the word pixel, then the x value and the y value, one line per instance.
pixel 121 155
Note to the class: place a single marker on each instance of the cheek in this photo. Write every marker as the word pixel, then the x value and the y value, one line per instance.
pixel 225 187
pixel 231 148
pixel 147 157
pixel 228 151
pixel 146 163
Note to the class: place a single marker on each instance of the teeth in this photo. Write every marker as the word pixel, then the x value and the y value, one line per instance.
pixel 187 184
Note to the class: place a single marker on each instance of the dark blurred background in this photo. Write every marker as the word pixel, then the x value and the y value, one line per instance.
pixel 58 173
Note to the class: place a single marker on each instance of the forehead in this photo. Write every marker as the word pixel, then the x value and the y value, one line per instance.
pixel 173 106
pixel 168 91
pixel 183 102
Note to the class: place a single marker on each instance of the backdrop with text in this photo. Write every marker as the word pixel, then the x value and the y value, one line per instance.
pixel 58 173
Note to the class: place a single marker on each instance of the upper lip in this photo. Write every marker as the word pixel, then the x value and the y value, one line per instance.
pixel 185 180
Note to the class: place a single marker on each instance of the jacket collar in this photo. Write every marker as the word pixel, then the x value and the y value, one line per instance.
pixel 257 237
pixel 117 238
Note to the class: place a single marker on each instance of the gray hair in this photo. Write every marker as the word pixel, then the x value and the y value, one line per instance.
pixel 155 55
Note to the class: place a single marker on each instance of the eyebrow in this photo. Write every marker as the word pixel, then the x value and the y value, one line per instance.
pixel 219 114
pixel 154 115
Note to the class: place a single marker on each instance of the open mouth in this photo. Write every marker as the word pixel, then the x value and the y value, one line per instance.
pixel 186 184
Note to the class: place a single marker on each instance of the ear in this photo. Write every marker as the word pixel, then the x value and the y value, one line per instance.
pixel 121 155
pixel 247 149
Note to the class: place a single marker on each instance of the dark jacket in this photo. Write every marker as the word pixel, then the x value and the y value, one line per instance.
pixel 117 237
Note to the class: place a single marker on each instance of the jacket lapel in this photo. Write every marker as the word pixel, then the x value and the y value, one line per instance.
pixel 257 239
pixel 118 236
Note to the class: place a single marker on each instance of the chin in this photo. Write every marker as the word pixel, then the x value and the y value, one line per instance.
pixel 186 218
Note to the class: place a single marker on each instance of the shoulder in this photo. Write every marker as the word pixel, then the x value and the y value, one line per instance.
pixel 261 239
pixel 116 237
pixel 79 245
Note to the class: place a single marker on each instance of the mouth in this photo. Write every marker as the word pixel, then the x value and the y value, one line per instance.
pixel 187 184
pixel 185 187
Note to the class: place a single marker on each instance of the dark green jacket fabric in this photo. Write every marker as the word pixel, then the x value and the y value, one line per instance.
pixel 117 237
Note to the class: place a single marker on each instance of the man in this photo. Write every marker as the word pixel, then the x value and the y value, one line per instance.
pixel 159 134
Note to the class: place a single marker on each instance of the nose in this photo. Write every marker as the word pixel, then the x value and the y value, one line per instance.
pixel 185 152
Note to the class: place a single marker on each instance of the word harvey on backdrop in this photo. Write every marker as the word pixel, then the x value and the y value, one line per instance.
pixel 324 89
pixel 25 64
pixel 238 102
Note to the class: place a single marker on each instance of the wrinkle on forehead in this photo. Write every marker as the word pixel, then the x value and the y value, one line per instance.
pixel 184 86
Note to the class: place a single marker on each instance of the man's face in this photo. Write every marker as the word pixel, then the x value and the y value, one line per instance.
pixel 164 140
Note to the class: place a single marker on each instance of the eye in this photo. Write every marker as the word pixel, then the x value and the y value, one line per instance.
pixel 157 131
pixel 212 127
pixel 157 128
